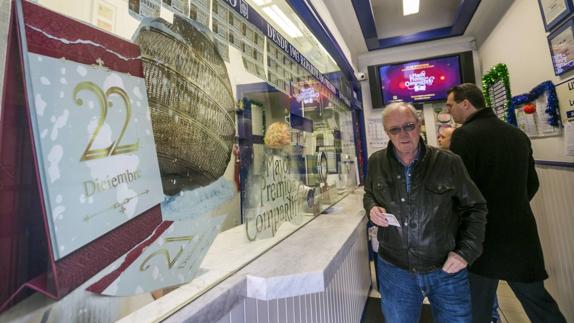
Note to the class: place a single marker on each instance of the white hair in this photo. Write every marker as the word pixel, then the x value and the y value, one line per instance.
pixel 397 105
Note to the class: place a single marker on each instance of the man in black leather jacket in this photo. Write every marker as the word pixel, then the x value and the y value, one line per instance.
pixel 440 218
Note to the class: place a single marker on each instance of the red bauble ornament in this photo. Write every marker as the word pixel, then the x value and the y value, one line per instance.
pixel 529 108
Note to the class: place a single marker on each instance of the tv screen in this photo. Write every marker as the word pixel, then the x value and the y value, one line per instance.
pixel 419 81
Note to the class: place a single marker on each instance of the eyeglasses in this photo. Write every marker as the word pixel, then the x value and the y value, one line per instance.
pixel 406 128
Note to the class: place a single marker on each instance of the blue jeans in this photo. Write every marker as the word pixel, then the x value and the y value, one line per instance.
pixel 402 294
pixel 495 316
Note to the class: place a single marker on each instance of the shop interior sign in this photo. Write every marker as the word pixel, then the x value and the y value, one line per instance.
pixel 554 11
pixel 275 199
pixel 95 148
pixel 565 93
pixel 561 43
pixel 376 137
pixel 536 112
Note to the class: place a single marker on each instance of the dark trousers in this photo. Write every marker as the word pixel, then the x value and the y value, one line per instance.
pixel 536 301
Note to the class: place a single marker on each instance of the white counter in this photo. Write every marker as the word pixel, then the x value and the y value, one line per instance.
pixel 279 283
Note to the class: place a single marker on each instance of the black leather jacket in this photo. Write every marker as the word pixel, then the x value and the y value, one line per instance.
pixel 444 211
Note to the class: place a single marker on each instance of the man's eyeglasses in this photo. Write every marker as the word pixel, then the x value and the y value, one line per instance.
pixel 406 128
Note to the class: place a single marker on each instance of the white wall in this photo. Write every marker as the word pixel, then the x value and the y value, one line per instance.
pixel 519 41
pixel 553 206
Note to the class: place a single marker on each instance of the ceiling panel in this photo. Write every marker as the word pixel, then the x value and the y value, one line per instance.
pixel 433 14
pixel 383 24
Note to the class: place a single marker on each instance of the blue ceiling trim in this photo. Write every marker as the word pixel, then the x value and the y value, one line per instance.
pixel 414 38
pixel 465 12
pixel 311 18
pixel 366 19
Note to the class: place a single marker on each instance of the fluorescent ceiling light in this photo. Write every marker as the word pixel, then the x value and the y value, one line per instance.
pixel 262 2
pixel 282 21
pixel 410 7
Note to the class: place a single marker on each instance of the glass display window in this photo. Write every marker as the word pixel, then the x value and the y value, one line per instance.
pixel 161 133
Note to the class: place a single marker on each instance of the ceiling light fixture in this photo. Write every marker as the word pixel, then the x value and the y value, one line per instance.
pixel 277 15
pixel 262 2
pixel 410 7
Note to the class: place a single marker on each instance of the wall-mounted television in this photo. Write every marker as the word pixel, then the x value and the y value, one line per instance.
pixel 419 81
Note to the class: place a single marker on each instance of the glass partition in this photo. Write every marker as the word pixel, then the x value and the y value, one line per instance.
pixel 242 135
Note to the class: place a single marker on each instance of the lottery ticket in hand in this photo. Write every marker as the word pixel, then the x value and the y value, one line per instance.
pixel 392 219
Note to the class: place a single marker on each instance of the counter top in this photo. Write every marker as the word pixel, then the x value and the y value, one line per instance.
pixel 302 263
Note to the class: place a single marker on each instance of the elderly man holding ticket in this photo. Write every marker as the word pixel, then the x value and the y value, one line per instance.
pixel 431 220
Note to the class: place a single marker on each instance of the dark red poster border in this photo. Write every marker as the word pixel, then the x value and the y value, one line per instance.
pixel 25 249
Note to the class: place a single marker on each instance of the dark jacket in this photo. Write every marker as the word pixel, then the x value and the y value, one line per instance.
pixel 498 158
pixel 443 212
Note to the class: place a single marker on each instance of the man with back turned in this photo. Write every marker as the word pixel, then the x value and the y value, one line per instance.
pixel 499 159
pixel 437 227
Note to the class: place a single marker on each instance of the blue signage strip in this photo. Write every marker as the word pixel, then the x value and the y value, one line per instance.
pixel 245 10
pixel 554 163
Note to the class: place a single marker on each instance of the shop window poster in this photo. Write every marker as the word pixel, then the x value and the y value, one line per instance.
pixel 96 148
pixel 93 135
pixel 91 154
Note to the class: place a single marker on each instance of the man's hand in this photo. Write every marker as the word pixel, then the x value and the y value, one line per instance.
pixel 377 216
pixel 454 263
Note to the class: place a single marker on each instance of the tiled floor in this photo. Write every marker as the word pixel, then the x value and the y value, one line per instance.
pixel 509 307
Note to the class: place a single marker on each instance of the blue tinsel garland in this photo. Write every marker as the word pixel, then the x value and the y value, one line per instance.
pixel 551 107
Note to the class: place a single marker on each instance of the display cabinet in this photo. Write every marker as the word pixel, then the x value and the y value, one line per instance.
pixel 142 140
